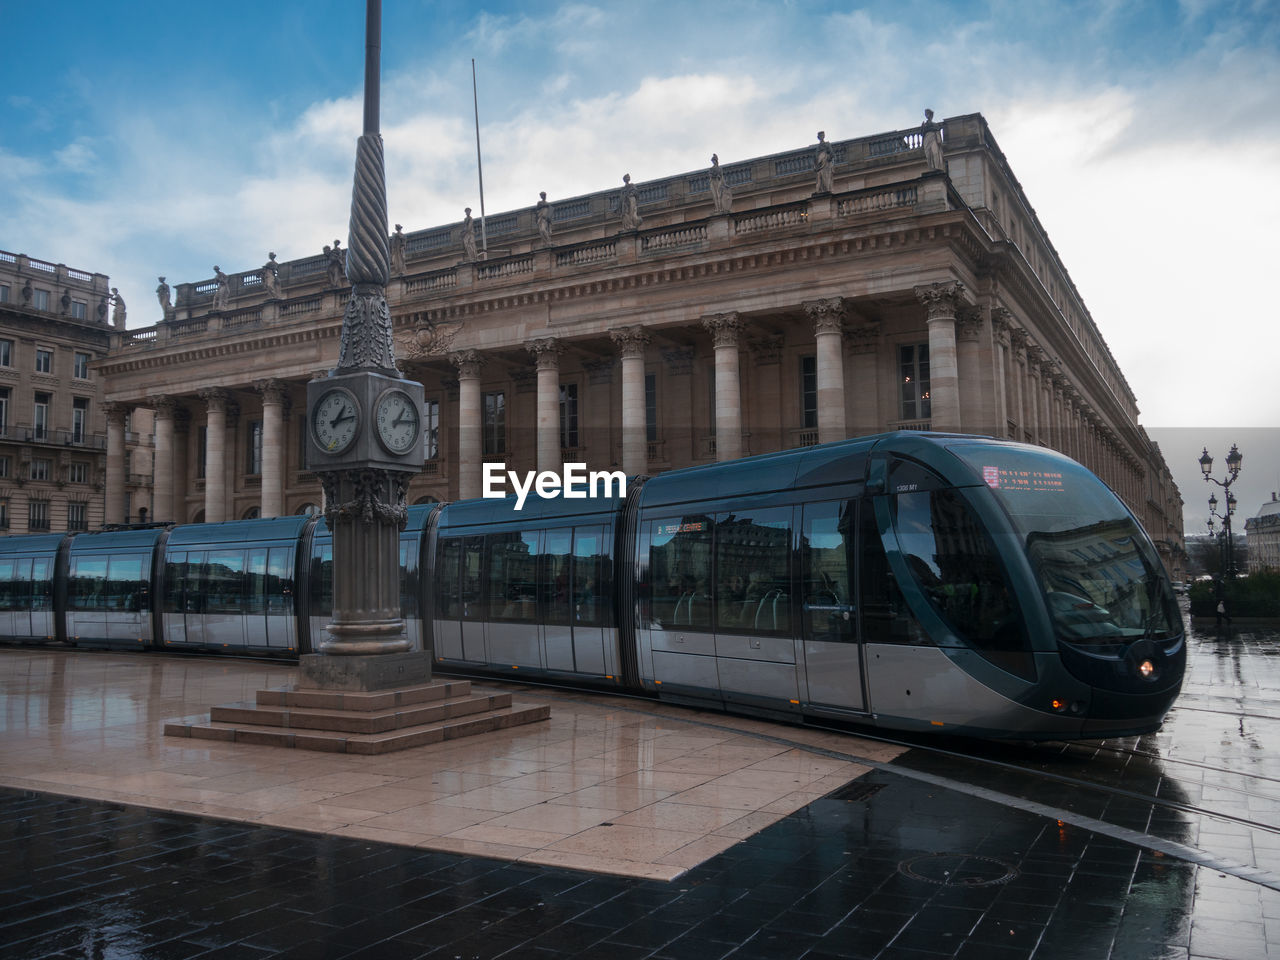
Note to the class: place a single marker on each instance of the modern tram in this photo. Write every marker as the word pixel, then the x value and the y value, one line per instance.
pixel 912 581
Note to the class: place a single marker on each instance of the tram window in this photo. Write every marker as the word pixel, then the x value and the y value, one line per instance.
pixel 176 575
pixel 885 616
pixel 956 566
pixel 553 577
pixel 9 599
pixel 126 584
pixel 224 581
pixel 680 572
pixel 87 582
pixel 447 596
pixel 753 580
pixel 473 606
pixel 907 476
pixel 589 598
pixel 826 552
pixel 513 576
pixel 408 580
pixel 256 581
pixel 322 581
pixel 280 580
pixel 41 584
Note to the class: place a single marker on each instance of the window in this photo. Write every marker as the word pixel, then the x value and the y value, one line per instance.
pixel 40 299
pixel 253 449
pixel 494 406
pixel 651 408
pixel 6 353
pixel 512 576
pixel 4 513
pixel 4 293
pixel 680 572
pixel 913 367
pixel 82 366
pixel 809 392
pixel 4 467
pixel 40 418
pixel 79 309
pixel 4 410
pixel 78 473
pixel 826 560
pixel 431 429
pixel 77 516
pixel 568 415
pixel 79 419
pixel 40 469
pixel 44 361
pixel 38 515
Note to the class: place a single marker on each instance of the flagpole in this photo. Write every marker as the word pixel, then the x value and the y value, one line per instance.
pixel 475 100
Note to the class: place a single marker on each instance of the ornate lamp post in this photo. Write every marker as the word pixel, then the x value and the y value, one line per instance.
pixel 1234 460
pixel 364 440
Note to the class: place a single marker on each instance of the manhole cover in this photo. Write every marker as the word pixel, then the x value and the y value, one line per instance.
pixel 958 870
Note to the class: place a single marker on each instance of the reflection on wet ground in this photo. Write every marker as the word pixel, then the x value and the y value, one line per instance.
pixel 887 867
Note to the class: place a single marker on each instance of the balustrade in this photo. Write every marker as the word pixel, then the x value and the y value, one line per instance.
pixel 504 268
pixel 771 219
pixel 877 200
pixel 673 239
pixel 440 280
pixel 584 255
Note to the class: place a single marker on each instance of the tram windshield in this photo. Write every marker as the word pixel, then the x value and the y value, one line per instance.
pixel 1101 578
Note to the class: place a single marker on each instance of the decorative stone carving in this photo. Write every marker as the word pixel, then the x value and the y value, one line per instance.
pixel 542 214
pixel 941 300
pixel 65 301
pixel 968 322
pixel 823 164
pixel 630 341
pixel 546 352
pixel 1018 339
pixel 1001 324
pixel 767 349
pixel 273 391
pixel 165 406
pixel 827 315
pixel 222 293
pixel 931 137
pixel 376 496
pixel 118 311
pixel 397 252
pixel 721 192
pixel 115 413
pixel 469 253
pixel 864 338
pixel 433 339
pixel 215 398
pixel 679 360
pixel 338 258
pixel 366 331
pixel 725 328
pixel 162 294
pixel 629 204
pixel 27 293
pixel 270 275
pixel 468 363
pixel 599 371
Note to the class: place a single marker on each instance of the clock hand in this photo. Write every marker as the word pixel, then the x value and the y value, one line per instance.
pixel 341 418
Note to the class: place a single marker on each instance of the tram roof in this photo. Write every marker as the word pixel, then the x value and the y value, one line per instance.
pixel 39 543
pixel 116 539
pixel 239 531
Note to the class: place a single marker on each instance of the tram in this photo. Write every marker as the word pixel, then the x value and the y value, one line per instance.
pixel 914 581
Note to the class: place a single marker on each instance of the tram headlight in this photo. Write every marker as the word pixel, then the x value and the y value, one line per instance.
pixel 1146 669
pixel 1058 705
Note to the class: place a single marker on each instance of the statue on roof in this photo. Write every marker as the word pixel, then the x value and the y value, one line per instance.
pixel 221 293
pixel 397 252
pixel 270 274
pixel 468 237
pixel 337 264
pixel 542 213
pixel 931 137
pixel 162 294
pixel 629 204
pixel 721 192
pixel 823 163
pixel 117 314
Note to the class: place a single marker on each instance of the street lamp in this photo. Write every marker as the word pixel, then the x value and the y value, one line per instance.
pixel 1234 459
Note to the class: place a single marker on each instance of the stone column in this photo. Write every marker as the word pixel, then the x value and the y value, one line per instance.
pixel 631 343
pixel 547 353
pixel 470 448
pixel 941 301
pixel 162 497
pixel 1018 353
pixel 1002 358
pixel 827 317
pixel 969 373
pixel 181 434
pixel 725 328
pixel 215 470
pixel 275 396
pixel 115 461
pixel 1033 395
pixel 864 344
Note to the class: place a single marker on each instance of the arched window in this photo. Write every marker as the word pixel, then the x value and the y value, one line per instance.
pixel 426 498
pixel 253 513
pixel 199 516
pixel 306 510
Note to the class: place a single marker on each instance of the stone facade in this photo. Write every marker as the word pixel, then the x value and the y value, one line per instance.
pixel 907 297
pixel 61 446
pixel 1263 532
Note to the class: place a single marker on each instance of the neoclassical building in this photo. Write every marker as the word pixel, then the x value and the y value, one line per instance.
pixel 1263 531
pixel 54 330
pixel 897 281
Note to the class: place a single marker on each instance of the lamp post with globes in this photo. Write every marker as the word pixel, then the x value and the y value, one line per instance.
pixel 1234 459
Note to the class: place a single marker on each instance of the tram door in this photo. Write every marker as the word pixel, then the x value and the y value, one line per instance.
pixel 41 597
pixel 832 654
pixel 473 605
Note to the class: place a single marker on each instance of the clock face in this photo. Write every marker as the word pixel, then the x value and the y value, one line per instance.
pixel 397 417
pixel 335 420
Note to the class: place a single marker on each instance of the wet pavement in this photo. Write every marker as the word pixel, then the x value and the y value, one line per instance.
pixel 926 855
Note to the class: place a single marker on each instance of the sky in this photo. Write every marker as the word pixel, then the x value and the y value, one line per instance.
pixel 148 138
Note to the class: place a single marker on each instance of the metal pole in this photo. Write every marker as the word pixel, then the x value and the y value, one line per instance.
pixel 372 63
pixel 475 102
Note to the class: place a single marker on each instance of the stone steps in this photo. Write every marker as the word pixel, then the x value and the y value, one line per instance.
pixel 359 722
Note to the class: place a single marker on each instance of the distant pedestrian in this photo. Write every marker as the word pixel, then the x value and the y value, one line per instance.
pixel 1222 613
